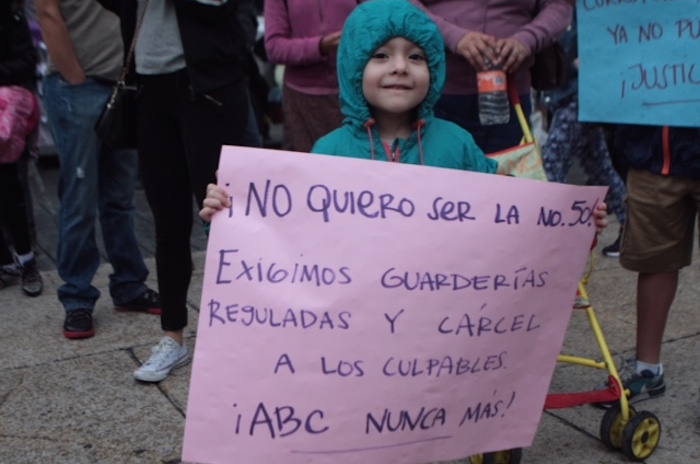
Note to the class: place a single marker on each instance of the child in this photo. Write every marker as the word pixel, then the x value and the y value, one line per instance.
pixel 391 70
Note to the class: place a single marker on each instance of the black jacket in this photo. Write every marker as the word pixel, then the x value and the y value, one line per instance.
pixel 17 54
pixel 212 38
pixel 669 151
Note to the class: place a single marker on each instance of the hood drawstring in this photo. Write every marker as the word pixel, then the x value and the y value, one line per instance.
pixel 420 124
pixel 368 126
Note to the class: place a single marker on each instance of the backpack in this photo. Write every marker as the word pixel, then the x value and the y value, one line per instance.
pixel 19 117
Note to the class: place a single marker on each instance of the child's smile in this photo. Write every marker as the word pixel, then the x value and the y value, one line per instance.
pixel 396 77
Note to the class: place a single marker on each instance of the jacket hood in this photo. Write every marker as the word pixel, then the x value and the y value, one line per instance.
pixel 369 26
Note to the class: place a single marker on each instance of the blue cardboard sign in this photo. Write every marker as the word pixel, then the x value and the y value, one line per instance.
pixel 639 61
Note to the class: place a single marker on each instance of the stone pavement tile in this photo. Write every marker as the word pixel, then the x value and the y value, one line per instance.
pixel 26 322
pixel 85 410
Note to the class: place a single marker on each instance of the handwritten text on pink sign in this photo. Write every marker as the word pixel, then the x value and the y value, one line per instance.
pixel 366 312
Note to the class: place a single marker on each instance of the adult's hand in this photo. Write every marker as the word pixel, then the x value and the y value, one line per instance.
pixel 329 43
pixel 511 54
pixel 478 48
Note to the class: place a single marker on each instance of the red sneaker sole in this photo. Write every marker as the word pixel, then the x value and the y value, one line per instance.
pixel 124 309
pixel 79 335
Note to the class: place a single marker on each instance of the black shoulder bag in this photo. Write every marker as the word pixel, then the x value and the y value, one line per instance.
pixel 116 126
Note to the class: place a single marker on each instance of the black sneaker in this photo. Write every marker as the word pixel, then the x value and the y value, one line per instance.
pixel 32 285
pixel 78 324
pixel 613 250
pixel 148 302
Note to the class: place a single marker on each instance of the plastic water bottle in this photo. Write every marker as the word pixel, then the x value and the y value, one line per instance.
pixel 494 107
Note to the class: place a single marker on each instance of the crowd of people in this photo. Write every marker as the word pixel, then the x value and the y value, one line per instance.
pixel 386 80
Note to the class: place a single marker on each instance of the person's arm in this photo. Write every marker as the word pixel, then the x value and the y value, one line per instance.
pixel 58 42
pixel 553 17
pixel 20 66
pixel 282 48
pixel 474 46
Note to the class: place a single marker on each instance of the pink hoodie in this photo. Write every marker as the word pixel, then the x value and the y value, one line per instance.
pixel 501 19
pixel 293 32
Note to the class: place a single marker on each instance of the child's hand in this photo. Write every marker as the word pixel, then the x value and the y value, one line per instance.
pixel 600 213
pixel 216 200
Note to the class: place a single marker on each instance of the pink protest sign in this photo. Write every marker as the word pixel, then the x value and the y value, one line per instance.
pixel 368 312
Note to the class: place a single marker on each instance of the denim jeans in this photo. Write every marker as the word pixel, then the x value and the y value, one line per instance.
pixel 463 110
pixel 94 181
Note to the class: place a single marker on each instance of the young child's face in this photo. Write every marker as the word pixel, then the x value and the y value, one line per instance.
pixel 396 78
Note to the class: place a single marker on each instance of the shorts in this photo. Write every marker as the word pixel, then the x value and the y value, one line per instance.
pixel 661 215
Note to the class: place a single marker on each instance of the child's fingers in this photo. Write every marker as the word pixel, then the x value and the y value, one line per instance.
pixel 214 192
pixel 600 213
pixel 207 214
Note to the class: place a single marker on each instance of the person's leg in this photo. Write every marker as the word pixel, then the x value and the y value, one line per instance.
pixel 13 207
pixel 557 152
pixel 655 294
pixel 6 259
pixel 72 111
pixel 205 127
pixel 168 190
pixel 166 183
pixel 180 139
pixel 117 174
pixel 657 243
pixel 8 268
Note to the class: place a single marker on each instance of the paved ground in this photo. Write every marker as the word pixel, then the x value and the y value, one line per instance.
pixel 76 402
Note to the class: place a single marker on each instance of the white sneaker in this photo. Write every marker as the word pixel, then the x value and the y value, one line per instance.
pixel 167 355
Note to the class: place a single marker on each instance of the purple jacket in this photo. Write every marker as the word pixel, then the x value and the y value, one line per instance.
pixel 499 18
pixel 293 32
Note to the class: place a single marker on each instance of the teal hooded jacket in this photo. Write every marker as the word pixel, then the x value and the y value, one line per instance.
pixel 433 141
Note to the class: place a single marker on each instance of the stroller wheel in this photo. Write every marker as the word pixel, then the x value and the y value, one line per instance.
pixel 612 426
pixel 641 436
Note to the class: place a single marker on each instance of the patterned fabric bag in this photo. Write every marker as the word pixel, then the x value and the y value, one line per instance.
pixel 19 116
pixel 524 160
